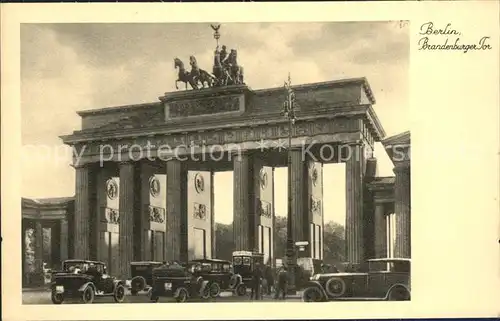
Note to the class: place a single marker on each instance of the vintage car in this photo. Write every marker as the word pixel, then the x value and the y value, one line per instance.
pixel 85 280
pixel 386 279
pixel 217 272
pixel 175 281
pixel 306 268
pixel 141 276
pixel 244 263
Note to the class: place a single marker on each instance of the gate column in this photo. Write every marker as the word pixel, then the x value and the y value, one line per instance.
pixel 176 235
pixel 127 210
pixel 299 195
pixel 402 206
pixel 63 239
pixel 380 231
pixel 243 221
pixel 82 212
pixel 39 275
pixel 354 204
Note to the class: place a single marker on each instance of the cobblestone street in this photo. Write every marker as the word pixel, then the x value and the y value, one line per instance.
pixel 43 297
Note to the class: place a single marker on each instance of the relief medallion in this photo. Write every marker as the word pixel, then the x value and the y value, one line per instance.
pixel 111 189
pixel 199 183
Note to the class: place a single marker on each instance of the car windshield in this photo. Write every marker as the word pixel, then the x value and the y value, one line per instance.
pixel 206 267
pixel 76 267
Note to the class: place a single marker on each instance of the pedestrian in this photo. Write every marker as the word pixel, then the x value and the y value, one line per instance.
pixel 256 282
pixel 282 283
pixel 270 279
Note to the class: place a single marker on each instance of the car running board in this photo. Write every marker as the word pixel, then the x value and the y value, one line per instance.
pixel 358 299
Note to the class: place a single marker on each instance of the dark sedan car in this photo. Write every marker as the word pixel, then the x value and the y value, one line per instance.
pixel 141 276
pixel 175 281
pixel 85 280
pixel 217 272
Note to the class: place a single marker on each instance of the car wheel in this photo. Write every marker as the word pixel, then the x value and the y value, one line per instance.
pixel 88 295
pixel 233 282
pixel 182 295
pixel 205 291
pixel 119 294
pixel 312 294
pixel 57 298
pixel 214 290
pixel 153 298
pixel 241 290
pixel 398 293
pixel 335 287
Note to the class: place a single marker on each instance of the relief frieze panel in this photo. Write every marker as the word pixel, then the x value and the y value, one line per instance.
pixel 110 216
pixel 205 106
pixel 156 214
pixel 315 206
pixel 264 208
pixel 200 211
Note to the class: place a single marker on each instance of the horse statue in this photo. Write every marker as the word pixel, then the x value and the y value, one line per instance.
pixel 200 75
pixel 235 70
pixel 221 74
pixel 184 76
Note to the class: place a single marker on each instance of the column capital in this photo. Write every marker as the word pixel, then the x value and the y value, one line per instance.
pixel 401 167
pixel 355 143
pixel 126 162
pixel 240 151
pixel 80 165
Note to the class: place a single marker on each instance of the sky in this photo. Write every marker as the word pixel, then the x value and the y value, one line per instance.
pixel 71 67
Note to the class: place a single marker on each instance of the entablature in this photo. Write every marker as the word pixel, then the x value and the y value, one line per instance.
pixel 337 100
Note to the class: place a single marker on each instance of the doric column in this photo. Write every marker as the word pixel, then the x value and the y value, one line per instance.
pixel 39 252
pixel 298 190
pixel 402 209
pixel 126 216
pixel 354 204
pixel 380 231
pixel 82 213
pixel 63 239
pixel 176 235
pixel 242 191
pixel 212 214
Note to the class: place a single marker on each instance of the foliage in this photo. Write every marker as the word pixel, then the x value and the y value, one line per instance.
pixel 334 241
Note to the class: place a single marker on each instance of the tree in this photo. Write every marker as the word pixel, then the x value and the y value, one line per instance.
pixel 224 243
pixel 333 238
pixel 333 243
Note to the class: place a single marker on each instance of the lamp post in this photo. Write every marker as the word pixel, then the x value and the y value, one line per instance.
pixel 289 113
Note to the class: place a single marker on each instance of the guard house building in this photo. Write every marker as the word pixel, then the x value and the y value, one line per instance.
pixel 144 183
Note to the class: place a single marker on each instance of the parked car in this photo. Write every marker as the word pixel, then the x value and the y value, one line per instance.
pixel 85 280
pixel 244 263
pixel 306 268
pixel 386 279
pixel 175 281
pixel 217 272
pixel 141 276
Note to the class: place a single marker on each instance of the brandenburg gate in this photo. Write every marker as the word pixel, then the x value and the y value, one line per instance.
pixel 145 173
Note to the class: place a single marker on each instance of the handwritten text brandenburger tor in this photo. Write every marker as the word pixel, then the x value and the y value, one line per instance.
pixel 451 41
